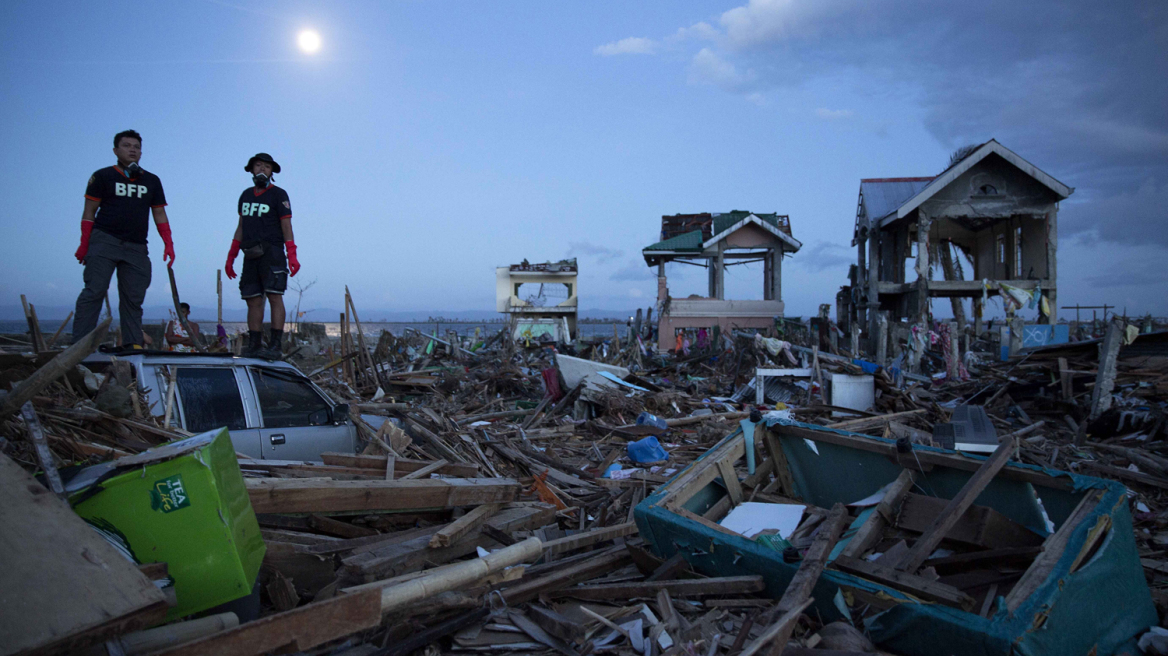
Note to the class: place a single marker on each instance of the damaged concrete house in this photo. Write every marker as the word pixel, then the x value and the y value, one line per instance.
pixel 540 300
pixel 997 210
pixel 715 241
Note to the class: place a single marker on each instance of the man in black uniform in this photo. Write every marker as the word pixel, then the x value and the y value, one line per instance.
pixel 264 232
pixel 118 200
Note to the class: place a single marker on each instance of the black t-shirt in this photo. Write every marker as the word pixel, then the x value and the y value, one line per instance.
pixel 125 203
pixel 261 211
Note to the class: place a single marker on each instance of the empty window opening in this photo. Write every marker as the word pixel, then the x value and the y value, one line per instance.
pixel 1001 241
pixel 1017 253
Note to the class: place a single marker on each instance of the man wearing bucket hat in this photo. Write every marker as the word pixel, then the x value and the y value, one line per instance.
pixel 264 233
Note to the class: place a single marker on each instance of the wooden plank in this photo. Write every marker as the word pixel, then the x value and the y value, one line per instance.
pixel 603 562
pixel 912 584
pixel 786 483
pixel 814 560
pixel 879 421
pixel 41 448
pixel 63 586
pixel 927 458
pixel 397 556
pixel 784 625
pixel 980 526
pixel 295 630
pixel 873 528
pixel 425 472
pixel 928 541
pixel 1052 551
pixel 677 587
pixel 588 538
pixel 701 473
pixel 338 528
pixel 324 496
pixel 454 531
pixel 730 480
pixel 401 466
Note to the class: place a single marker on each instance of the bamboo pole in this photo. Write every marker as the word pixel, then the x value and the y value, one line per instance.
pixel 455 576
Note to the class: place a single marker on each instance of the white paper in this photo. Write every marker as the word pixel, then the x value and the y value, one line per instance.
pixel 872 499
pixel 752 518
pixel 811 445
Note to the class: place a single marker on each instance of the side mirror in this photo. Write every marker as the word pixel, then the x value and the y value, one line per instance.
pixel 340 413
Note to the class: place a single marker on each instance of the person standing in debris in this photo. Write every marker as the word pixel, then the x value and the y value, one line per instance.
pixel 177 339
pixel 118 200
pixel 264 233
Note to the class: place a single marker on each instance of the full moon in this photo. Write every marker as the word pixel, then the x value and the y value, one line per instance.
pixel 309 41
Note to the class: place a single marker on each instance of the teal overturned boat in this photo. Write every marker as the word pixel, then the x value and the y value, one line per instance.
pixel 1038 561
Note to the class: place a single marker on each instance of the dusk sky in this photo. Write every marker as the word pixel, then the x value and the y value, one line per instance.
pixel 426 143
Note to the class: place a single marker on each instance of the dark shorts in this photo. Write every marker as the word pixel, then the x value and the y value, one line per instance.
pixel 267 274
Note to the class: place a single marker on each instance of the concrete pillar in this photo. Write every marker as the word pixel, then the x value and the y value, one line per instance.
pixel 978 311
pixel 1017 327
pixel 922 267
pixel 719 264
pixel 854 340
pixel 881 336
pixel 1105 378
pixel 860 312
pixel 951 365
pixel 1052 265
pixel 712 276
pixel 768 293
pixel 777 274
pixel 874 236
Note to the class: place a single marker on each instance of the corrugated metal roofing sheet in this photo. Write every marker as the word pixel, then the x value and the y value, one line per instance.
pixel 882 196
pixel 690 241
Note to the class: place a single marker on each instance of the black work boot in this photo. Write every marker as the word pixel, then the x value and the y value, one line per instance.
pixel 275 349
pixel 254 344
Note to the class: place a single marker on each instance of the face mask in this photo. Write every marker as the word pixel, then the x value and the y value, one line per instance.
pixel 132 169
pixel 260 180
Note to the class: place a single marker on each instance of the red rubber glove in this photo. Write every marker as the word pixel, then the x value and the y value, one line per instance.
pixel 230 268
pixel 293 263
pixel 168 252
pixel 83 249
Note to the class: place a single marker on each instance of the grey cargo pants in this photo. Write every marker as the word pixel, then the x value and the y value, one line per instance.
pixel 132 262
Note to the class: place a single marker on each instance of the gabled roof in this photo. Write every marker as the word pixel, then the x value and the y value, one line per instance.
pixel 880 197
pixel 988 148
pixel 725 224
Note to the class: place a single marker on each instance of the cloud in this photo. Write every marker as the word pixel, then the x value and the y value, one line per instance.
pixel 594 251
pixel 824 255
pixel 1134 217
pixel 698 31
pixel 1059 92
pixel 633 45
pixel 635 269
pixel 708 67
pixel 833 114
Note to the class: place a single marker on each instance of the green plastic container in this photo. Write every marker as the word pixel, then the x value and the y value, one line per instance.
pixel 183 504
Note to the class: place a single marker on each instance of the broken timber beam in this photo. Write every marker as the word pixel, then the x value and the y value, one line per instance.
pixel 300 629
pixel 798 592
pixel 455 530
pixel 677 587
pixel 928 541
pixel 917 586
pixel 290 495
pixel 882 516
pixel 52 370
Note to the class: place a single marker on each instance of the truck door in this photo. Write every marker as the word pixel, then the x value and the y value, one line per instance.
pixel 297 419
pixel 208 398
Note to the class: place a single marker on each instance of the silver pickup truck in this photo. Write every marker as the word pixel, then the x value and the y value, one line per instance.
pixel 271 409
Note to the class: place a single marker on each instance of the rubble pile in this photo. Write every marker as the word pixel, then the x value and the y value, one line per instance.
pixel 490 507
